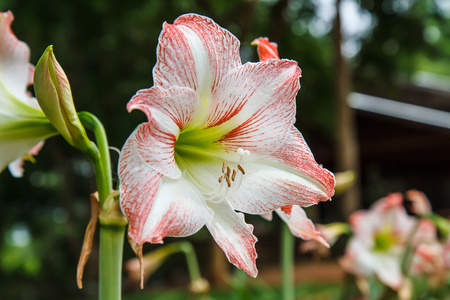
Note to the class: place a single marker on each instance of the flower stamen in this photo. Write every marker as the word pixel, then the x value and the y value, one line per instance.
pixel 241 169
pixel 227 178
pixel 233 178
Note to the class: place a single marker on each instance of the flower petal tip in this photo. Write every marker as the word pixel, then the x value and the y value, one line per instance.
pixel 254 273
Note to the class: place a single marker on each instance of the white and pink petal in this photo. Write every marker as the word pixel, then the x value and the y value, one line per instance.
pixel 155 205
pixel 195 52
pixel 267 187
pixel 178 210
pixel 301 226
pixel 388 269
pixel 296 154
pixel 168 112
pixel 234 236
pixel 255 106
pixel 16 167
pixel 173 108
pixel 138 187
pixel 155 148
pixel 12 151
pixel 14 60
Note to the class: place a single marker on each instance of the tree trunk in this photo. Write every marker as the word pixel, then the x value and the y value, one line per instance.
pixel 347 150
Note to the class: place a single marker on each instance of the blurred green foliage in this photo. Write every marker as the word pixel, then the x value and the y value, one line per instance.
pixel 107 49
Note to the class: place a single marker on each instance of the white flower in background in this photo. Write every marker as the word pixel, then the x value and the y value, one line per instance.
pixel 379 239
pixel 23 125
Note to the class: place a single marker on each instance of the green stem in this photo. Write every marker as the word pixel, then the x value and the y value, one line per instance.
pixel 191 260
pixel 112 228
pixel 110 267
pixel 101 162
pixel 287 263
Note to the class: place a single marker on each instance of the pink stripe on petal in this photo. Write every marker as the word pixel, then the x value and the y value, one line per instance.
pixel 287 210
pixel 178 210
pixel 156 148
pixel 252 87
pixel 177 104
pixel 259 101
pixel 265 188
pixel 168 111
pixel 175 61
pixel 157 206
pixel 222 46
pixel 138 188
pixel 195 52
pixel 296 154
pixel 234 236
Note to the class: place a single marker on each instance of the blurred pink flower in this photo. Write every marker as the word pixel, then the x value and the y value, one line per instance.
pixel 446 253
pixel 379 239
pixel 219 139
pixel 420 205
pixel 428 252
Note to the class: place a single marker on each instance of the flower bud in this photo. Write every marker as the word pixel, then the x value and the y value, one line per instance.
pixel 266 49
pixel 53 93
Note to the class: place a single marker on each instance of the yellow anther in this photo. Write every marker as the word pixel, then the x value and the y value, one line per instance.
pixel 228 181
pixel 223 166
pixel 220 179
pixel 241 169
pixel 234 175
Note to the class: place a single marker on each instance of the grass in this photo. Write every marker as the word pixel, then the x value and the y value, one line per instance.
pixel 307 291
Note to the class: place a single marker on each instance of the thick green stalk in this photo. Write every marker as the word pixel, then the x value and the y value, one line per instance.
pixel 112 224
pixel 287 264
pixel 110 266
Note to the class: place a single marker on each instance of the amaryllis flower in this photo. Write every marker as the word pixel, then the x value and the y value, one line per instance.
pixel 23 125
pixel 379 238
pixel 219 139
